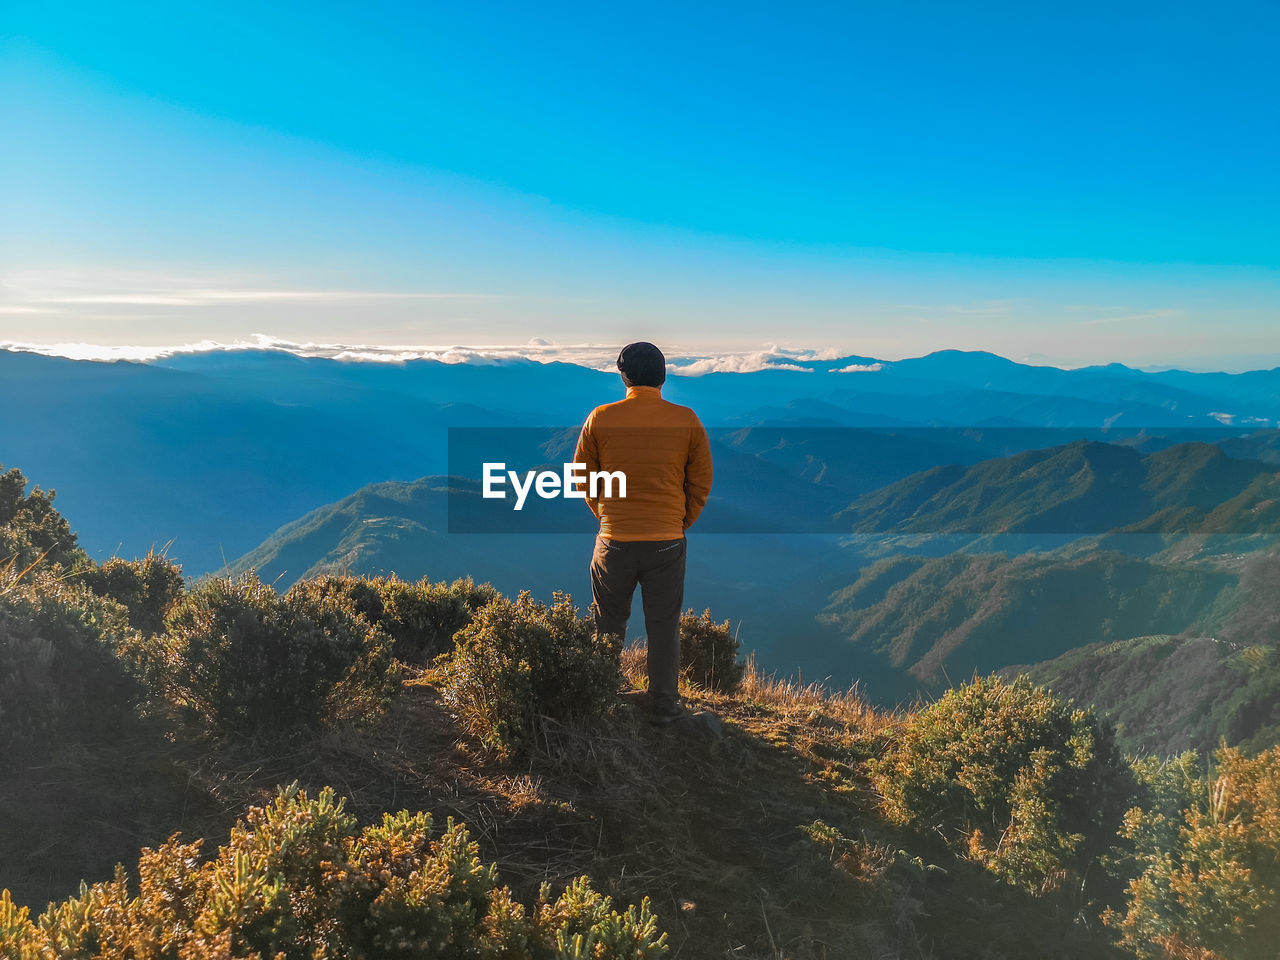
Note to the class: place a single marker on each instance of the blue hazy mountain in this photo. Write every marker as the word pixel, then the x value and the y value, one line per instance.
pixel 946 617
pixel 1084 488
pixel 215 451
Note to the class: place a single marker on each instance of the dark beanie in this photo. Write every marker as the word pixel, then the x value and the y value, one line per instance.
pixel 642 365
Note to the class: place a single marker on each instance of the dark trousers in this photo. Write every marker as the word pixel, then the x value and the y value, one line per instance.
pixel 658 567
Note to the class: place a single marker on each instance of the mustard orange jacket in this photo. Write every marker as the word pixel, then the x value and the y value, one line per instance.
pixel 662 449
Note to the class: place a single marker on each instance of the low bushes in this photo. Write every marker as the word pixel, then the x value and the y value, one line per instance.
pixel 1023 782
pixel 475 595
pixel 243 658
pixel 1208 880
pixel 360 594
pixel 520 662
pixel 421 618
pixel 59 676
pixel 709 653
pixel 148 588
pixel 298 881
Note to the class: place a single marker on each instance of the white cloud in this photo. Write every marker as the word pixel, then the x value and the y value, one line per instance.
pixel 772 357
pixel 861 368
pixel 732 363
pixel 594 356
pixel 94 351
pixel 331 351
pixel 590 355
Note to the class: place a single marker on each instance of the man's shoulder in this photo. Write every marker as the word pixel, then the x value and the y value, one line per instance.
pixel 681 414
pixel 684 411
pixel 627 412
pixel 604 410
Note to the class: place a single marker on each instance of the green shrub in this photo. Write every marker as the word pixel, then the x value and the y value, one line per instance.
pixel 1209 881
pixel 360 594
pixel 520 662
pixel 474 595
pixel 298 881
pixel 1165 789
pixel 59 674
pixel 148 588
pixel 245 659
pixel 421 618
pixel 1023 782
pixel 709 653
pixel 31 530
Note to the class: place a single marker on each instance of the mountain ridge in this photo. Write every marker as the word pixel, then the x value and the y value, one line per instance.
pixel 1084 487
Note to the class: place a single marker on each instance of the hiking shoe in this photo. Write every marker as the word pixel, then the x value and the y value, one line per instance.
pixel 666 713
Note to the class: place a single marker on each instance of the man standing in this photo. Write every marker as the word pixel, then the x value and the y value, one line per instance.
pixel 662 450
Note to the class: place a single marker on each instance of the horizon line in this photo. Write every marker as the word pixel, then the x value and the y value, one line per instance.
pixel 592 356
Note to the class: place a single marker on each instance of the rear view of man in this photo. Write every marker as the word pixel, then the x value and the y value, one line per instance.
pixel 662 450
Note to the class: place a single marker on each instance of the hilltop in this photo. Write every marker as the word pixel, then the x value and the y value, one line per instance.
pixel 708 821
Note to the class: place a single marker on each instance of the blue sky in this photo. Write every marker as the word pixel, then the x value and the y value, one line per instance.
pixel 1084 182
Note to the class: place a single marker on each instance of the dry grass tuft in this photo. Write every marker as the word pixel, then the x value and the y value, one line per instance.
pixel 791 698
pixel 633 665
pixel 781 697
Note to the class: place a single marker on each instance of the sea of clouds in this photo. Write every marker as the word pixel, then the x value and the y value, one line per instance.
pixel 591 355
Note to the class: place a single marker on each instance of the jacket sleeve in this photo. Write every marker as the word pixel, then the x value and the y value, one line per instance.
pixel 697 474
pixel 587 452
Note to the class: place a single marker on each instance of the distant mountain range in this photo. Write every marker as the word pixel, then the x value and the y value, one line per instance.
pixel 214 451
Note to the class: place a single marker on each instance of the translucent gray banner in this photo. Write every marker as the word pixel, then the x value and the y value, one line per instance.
pixel 979 481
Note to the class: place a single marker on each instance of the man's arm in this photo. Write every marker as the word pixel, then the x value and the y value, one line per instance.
pixel 697 474
pixel 587 452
